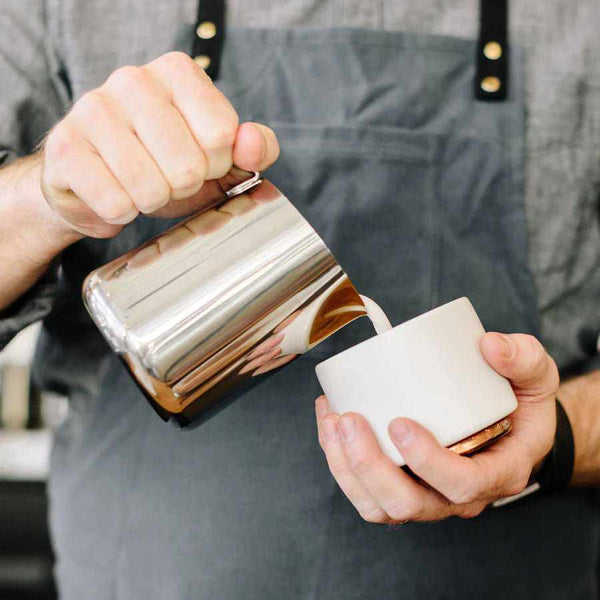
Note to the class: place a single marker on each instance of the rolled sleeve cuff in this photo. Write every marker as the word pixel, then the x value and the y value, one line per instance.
pixel 33 306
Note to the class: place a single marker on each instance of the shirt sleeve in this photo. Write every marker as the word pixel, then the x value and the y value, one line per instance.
pixel 34 96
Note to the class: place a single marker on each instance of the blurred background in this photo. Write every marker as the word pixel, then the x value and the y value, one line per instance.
pixel 27 419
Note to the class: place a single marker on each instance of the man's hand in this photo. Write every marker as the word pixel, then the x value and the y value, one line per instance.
pixel 448 484
pixel 147 141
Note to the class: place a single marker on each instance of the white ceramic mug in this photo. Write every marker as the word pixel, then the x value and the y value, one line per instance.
pixel 429 369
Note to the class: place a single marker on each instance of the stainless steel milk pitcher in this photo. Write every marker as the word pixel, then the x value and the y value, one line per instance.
pixel 221 300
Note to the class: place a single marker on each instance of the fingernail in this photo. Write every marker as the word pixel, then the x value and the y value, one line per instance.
pixel 508 346
pixel 320 407
pixel 400 433
pixel 347 427
pixel 329 429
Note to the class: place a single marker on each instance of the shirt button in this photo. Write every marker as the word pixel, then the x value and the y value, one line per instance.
pixel 203 61
pixel 490 84
pixel 206 30
pixel 492 50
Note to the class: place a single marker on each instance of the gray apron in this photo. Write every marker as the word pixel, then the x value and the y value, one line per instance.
pixel 417 188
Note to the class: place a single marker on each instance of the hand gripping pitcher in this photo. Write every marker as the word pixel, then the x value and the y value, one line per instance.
pixel 216 303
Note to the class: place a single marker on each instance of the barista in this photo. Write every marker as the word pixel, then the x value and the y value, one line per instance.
pixel 420 186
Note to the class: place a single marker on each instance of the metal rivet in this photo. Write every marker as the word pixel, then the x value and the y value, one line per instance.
pixel 490 84
pixel 206 30
pixel 203 60
pixel 492 50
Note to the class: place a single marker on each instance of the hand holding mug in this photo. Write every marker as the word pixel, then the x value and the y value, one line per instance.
pixel 447 484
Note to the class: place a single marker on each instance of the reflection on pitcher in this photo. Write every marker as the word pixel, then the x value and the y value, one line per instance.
pixel 227 296
pixel 268 355
pixel 306 327
pixel 202 224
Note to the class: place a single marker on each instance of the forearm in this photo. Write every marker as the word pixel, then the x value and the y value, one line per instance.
pixel 581 399
pixel 31 234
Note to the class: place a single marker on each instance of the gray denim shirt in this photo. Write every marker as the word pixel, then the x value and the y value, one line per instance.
pixel 562 100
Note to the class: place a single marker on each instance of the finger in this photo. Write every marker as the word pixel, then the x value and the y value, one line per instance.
pixel 522 359
pixel 212 193
pixel 81 187
pixel 399 495
pixel 462 480
pixel 470 511
pixel 261 360
pixel 322 408
pixel 209 115
pixel 108 132
pixel 265 347
pixel 161 129
pixel 274 364
pixel 256 147
pixel 341 471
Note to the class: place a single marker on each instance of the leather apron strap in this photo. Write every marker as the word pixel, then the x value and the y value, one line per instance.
pixel 492 48
pixel 491 76
pixel 209 34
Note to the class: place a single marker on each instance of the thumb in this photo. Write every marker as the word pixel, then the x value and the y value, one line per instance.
pixel 523 360
pixel 256 147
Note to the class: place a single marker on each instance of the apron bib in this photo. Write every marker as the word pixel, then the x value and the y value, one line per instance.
pixel 416 186
pixel 418 190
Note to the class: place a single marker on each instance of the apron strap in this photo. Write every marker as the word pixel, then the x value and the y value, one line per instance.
pixel 209 35
pixel 491 77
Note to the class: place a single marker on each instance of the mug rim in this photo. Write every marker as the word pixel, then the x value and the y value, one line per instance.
pixel 377 338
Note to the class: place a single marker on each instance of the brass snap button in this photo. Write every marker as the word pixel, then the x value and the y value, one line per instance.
pixel 203 61
pixel 490 84
pixel 206 30
pixel 492 50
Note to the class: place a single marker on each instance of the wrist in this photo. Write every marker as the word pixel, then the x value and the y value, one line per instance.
pixel 580 398
pixel 556 470
pixel 42 234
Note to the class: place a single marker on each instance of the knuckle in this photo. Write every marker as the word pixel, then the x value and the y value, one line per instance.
pixel 126 78
pixel 538 373
pixel 175 60
pixel 329 423
pixel 111 209
pixel 187 177
pixel 373 515
pixel 534 354
pixel 538 353
pixel 336 465
pixel 472 511
pixel 361 464
pixel 223 134
pixel 149 203
pixel 90 108
pixel 517 484
pixel 59 144
pixel 465 494
pixel 404 510
pixel 424 461
pixel 151 196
